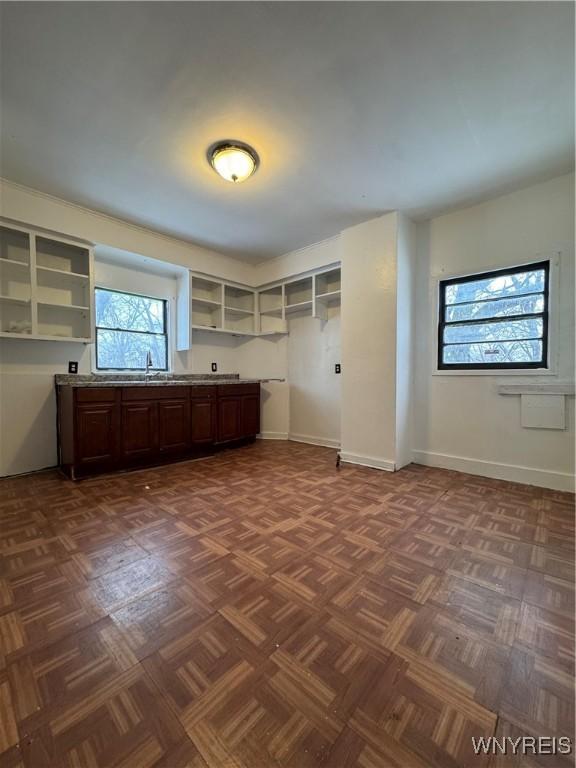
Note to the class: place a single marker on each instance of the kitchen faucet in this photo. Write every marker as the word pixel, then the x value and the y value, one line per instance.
pixel 149 362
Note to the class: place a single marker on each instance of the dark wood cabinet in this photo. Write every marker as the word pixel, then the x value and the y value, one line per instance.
pixel 203 421
pixel 250 415
pixel 173 426
pixel 139 431
pixel 104 428
pixel 97 434
pixel 229 419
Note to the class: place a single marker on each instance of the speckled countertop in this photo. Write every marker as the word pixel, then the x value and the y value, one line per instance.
pixel 154 380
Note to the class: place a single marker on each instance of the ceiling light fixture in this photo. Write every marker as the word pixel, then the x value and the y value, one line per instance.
pixel 233 160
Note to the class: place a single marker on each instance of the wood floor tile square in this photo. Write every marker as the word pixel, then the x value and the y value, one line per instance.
pixel 31 555
pixel 190 555
pixel 268 553
pixel 424 548
pixel 489 572
pixel 96 534
pixel 325 658
pixel 552 563
pixel 436 724
pixel 550 592
pixel 546 633
pixel 506 551
pixel 46 620
pixel 507 730
pixel 115 589
pixel 404 575
pixel 164 532
pixel 556 540
pixel 96 562
pixel 39 584
pixel 481 609
pixel 220 581
pixel 64 673
pixel 539 695
pixel 351 551
pixel 443 649
pixel 266 617
pixel 157 618
pixel 312 579
pixel 505 528
pixel 374 612
pixel 122 723
pixel 373 530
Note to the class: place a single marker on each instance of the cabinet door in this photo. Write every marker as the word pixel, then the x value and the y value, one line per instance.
pixel 203 421
pixel 173 432
pixel 250 415
pixel 229 417
pixel 96 434
pixel 139 430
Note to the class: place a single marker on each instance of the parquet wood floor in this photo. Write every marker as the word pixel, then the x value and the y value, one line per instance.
pixel 263 609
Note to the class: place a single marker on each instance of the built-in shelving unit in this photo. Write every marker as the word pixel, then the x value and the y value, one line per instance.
pixel 271 311
pixel 326 292
pixel 46 286
pixel 239 310
pixel 208 304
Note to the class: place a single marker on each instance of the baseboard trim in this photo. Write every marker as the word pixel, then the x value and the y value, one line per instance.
pixel 543 478
pixel 313 440
pixel 368 461
pixel 272 436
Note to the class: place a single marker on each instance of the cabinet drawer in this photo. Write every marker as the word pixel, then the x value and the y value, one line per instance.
pixel 95 394
pixel 226 390
pixel 154 393
pixel 204 392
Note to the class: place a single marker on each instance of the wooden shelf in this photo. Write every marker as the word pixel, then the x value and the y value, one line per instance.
pixel 63 272
pixel 14 263
pixel 239 312
pixel 15 300
pixel 206 302
pixel 299 307
pixel 55 305
pixel 42 337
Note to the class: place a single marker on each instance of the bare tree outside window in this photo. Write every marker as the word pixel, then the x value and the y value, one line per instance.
pixel 495 320
pixel 129 326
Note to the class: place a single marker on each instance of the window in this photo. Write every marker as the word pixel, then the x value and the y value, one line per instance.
pixel 127 328
pixel 496 320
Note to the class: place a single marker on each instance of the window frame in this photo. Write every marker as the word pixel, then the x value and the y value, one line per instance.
pixel 542 365
pixel 128 330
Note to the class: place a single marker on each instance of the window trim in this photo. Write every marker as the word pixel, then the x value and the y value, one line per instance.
pixel 128 330
pixel 542 365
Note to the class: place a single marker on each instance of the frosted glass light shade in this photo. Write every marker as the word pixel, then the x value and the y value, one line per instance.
pixel 234 162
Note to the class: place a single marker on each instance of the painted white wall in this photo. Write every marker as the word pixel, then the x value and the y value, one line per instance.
pixel 315 402
pixel 461 421
pixel 369 342
pixel 406 254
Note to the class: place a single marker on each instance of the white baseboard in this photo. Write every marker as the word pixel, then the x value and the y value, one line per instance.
pixel 273 436
pixel 313 440
pixel 368 461
pixel 543 478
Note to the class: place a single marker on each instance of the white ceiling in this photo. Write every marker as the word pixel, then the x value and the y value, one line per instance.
pixel 355 109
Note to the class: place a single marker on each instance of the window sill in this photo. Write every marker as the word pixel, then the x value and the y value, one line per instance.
pixel 526 372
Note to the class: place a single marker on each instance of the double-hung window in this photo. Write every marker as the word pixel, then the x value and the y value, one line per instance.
pixel 495 320
pixel 128 328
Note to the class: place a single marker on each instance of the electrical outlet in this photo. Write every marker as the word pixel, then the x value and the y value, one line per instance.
pixel 214 367
pixel 337 368
pixel 72 366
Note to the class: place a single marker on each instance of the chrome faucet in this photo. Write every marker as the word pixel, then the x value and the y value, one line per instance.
pixel 149 362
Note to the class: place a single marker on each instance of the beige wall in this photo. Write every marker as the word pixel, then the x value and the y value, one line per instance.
pixel 461 420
